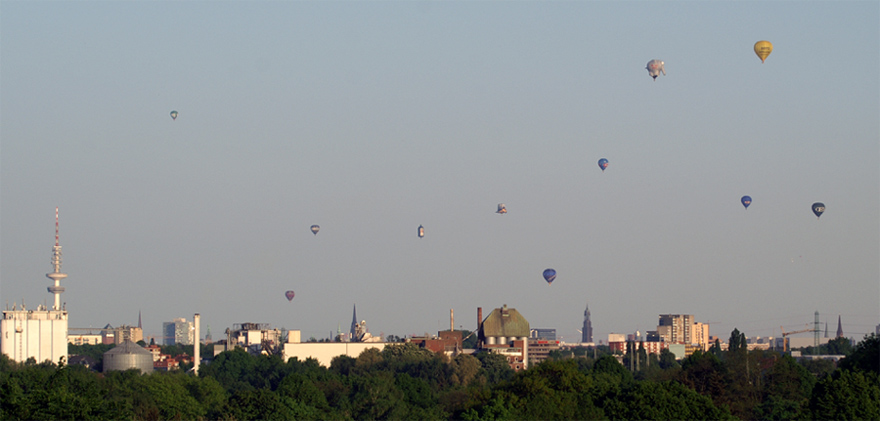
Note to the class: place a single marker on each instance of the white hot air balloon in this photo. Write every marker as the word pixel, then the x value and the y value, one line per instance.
pixel 655 67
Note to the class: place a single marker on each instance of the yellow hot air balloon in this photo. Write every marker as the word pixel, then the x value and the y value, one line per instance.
pixel 763 49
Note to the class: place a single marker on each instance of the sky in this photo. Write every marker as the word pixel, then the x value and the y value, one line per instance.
pixel 373 118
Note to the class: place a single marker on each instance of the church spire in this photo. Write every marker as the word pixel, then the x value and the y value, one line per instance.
pixel 354 322
pixel 839 328
pixel 587 331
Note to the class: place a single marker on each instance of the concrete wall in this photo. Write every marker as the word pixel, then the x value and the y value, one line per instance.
pixel 324 352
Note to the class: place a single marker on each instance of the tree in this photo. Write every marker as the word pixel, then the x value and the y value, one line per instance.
pixel 786 390
pixel 704 373
pixel 263 404
pixel 667 359
pixel 494 367
pixel 737 342
pixel 848 395
pixel 865 356
pixel 464 369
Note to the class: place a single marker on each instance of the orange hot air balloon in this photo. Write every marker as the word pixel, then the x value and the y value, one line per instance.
pixel 763 49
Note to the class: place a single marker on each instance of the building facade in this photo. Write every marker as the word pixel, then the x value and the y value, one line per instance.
pixel 177 332
pixel 256 338
pixel 676 328
pixel 545 334
pixel 505 331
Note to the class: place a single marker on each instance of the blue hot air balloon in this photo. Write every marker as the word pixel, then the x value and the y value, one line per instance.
pixel 549 275
pixel 603 163
pixel 746 201
pixel 289 295
pixel 818 209
pixel 421 231
pixel 315 229
pixel 174 115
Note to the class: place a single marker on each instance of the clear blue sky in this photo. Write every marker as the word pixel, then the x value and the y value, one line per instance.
pixel 372 118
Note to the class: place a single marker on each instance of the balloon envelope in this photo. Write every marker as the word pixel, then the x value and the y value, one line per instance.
pixel 655 67
pixel 763 49
pixel 174 115
pixel 501 209
pixel 315 229
pixel 289 295
pixel 818 209
pixel 603 163
pixel 746 201
pixel 549 275
pixel 421 231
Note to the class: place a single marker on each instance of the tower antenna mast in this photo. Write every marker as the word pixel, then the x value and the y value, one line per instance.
pixel 56 276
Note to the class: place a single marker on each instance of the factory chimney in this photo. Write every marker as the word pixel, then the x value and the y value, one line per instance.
pixel 197 357
pixel 479 327
pixel 451 320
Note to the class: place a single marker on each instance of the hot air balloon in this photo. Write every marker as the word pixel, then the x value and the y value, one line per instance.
pixel 549 275
pixel 174 115
pixel 289 295
pixel 818 209
pixel 655 67
pixel 501 209
pixel 763 49
pixel 315 229
pixel 746 201
pixel 603 163
pixel 421 231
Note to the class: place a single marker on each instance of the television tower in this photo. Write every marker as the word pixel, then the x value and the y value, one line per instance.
pixel 56 276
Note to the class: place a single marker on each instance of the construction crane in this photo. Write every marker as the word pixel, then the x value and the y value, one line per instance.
pixel 785 336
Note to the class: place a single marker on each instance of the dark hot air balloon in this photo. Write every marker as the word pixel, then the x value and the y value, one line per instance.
pixel 549 275
pixel 501 209
pixel 174 115
pixel 421 231
pixel 746 201
pixel 289 295
pixel 315 229
pixel 603 163
pixel 818 209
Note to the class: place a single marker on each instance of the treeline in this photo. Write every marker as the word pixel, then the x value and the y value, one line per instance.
pixel 406 382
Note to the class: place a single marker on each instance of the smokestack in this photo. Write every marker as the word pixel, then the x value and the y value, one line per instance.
pixel 451 320
pixel 479 324
pixel 196 345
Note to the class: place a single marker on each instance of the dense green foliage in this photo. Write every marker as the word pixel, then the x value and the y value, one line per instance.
pixel 406 382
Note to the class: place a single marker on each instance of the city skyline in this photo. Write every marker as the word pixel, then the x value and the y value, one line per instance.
pixel 371 120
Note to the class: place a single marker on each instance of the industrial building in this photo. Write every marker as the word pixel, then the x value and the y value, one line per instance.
pixel 324 352
pixel 128 355
pixel 505 331
pixel 255 338
pixel 39 333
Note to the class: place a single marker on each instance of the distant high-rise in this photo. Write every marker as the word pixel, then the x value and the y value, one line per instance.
pixel 587 331
pixel 676 328
pixel 179 331
pixel 839 328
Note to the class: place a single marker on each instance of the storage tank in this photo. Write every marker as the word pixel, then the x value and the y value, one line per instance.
pixel 128 355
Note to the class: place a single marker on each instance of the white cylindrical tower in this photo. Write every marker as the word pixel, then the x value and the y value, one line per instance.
pixel 56 276
pixel 196 345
